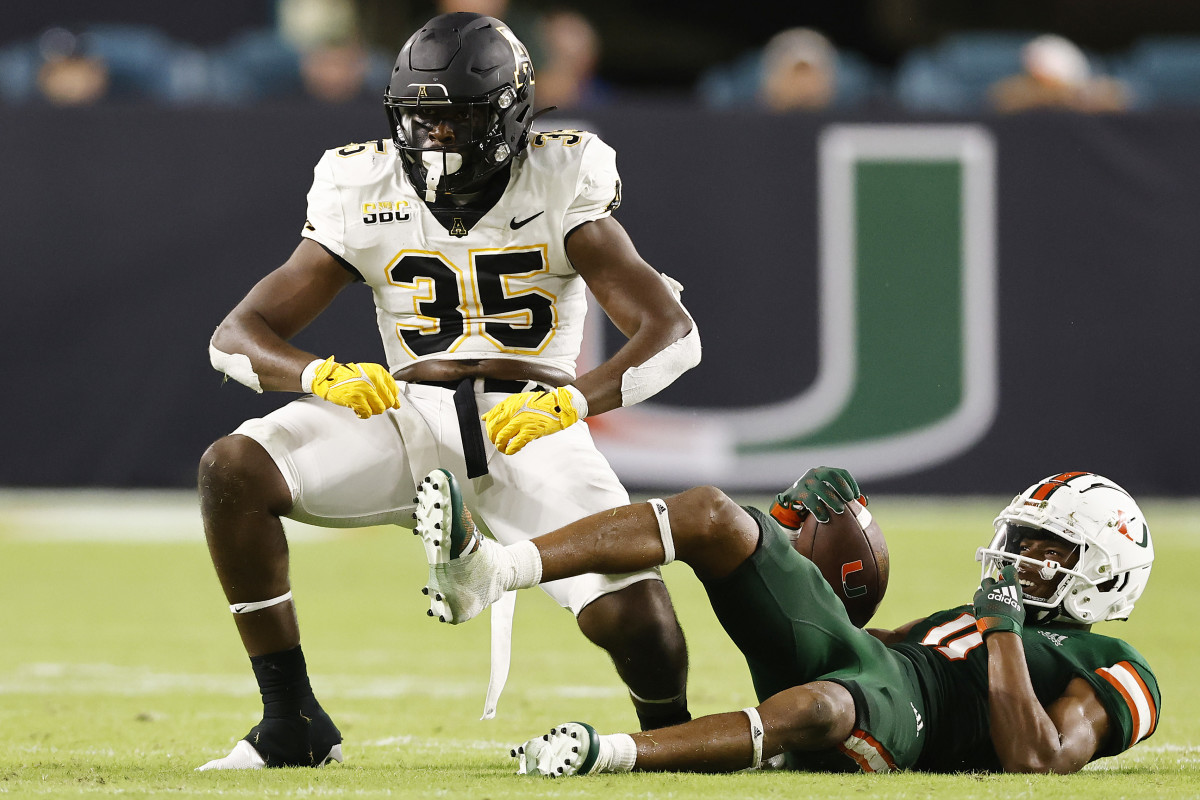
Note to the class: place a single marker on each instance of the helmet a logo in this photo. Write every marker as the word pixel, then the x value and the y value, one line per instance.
pixel 424 89
pixel 523 69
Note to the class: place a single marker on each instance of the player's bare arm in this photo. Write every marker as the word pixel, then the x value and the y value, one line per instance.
pixel 635 298
pixel 1027 737
pixel 276 309
pixel 1030 738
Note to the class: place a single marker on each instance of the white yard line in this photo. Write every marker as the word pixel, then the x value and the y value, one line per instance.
pixel 110 679
pixel 94 515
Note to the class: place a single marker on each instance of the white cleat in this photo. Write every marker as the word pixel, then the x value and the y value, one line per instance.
pixel 464 568
pixel 244 756
pixel 569 749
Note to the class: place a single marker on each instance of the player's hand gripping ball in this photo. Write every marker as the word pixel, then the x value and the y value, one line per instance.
pixel 831 526
pixel 822 492
pixel 520 418
pixel 365 389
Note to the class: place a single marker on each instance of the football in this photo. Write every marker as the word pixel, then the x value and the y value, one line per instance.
pixel 852 554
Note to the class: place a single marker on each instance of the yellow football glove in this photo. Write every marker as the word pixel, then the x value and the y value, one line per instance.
pixel 365 389
pixel 520 418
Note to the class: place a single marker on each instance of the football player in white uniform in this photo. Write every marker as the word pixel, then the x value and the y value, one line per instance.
pixel 478 239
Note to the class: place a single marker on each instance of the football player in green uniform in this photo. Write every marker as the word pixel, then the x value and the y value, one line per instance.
pixel 1013 681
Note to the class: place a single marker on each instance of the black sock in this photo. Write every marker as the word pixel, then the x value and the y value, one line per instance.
pixel 283 682
pixel 295 730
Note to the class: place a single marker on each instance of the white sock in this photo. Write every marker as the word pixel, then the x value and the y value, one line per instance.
pixel 526 566
pixel 618 752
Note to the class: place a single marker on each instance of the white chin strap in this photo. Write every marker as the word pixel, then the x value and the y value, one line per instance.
pixel 438 164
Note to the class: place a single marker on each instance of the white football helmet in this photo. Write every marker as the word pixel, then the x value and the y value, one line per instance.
pixel 1103 521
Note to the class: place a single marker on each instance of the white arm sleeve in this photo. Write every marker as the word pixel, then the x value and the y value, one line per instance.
pixel 660 370
pixel 236 366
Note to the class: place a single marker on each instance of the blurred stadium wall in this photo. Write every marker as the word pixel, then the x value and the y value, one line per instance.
pixel 949 305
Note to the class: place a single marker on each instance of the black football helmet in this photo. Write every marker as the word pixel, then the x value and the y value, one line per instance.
pixel 468 74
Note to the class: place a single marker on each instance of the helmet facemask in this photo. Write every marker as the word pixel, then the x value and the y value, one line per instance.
pixel 1005 548
pixel 475 151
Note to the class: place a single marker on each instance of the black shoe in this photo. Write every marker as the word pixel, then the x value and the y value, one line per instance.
pixel 300 742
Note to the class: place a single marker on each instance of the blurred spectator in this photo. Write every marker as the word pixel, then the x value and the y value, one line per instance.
pixel 1056 74
pixel 334 63
pixel 335 72
pixel 566 74
pixel 305 24
pixel 799 71
pixel 563 45
pixel 115 61
pixel 489 8
pixel 68 75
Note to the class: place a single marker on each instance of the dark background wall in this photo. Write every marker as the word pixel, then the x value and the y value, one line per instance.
pixel 129 231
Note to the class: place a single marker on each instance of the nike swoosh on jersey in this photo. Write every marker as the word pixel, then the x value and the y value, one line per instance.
pixel 512 223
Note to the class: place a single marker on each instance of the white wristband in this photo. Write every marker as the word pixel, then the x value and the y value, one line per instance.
pixel 310 372
pixel 577 400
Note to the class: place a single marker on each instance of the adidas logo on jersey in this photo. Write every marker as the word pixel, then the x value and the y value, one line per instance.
pixel 1006 595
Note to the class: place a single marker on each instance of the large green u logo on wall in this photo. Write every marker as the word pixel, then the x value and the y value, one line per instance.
pixel 907 361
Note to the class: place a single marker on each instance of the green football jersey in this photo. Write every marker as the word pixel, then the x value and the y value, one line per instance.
pixel 951 663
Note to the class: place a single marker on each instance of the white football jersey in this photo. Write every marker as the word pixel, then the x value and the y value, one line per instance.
pixel 503 288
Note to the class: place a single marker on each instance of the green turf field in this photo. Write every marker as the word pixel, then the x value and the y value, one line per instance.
pixel 120 669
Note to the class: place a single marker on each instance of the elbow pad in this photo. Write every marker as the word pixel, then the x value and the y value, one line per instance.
pixel 660 370
pixel 236 366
